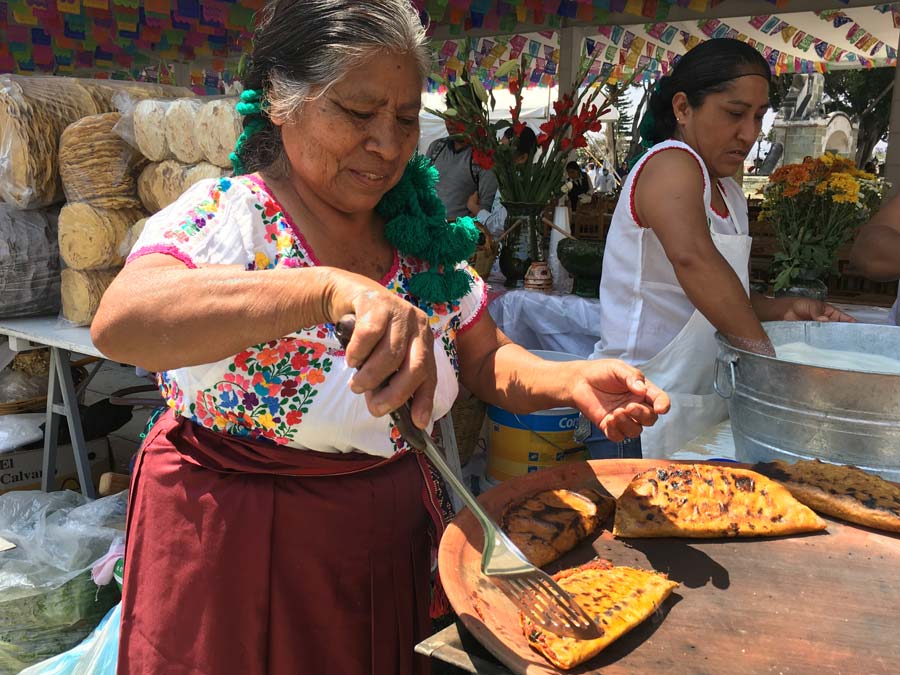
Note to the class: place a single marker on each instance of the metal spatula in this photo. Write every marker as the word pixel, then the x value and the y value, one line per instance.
pixel 531 590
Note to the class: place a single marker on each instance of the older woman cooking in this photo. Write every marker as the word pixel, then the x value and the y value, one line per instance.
pixel 278 522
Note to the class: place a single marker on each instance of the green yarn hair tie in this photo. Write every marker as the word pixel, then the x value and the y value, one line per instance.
pixel 416 225
pixel 251 106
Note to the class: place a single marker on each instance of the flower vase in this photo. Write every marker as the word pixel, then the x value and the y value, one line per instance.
pixel 519 246
pixel 807 284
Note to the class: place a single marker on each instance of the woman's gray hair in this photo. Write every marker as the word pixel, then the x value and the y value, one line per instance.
pixel 302 47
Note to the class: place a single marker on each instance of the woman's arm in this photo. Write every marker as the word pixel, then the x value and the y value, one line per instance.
pixel 876 251
pixel 795 309
pixel 668 198
pixel 612 394
pixel 160 314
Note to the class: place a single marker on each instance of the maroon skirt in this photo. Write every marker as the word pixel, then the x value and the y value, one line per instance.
pixel 247 557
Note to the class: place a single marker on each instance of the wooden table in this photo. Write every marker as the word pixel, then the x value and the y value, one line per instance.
pixel 818 604
pixel 62 400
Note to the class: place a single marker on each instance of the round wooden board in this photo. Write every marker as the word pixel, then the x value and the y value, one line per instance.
pixel 820 603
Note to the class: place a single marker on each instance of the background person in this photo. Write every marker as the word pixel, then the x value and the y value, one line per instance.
pixel 460 175
pixel 876 251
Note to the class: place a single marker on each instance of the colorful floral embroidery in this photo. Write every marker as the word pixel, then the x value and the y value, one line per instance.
pixel 269 390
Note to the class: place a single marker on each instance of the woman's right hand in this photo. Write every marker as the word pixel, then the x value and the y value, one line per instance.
pixel 392 341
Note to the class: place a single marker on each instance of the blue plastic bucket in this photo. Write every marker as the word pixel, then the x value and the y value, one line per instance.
pixel 520 444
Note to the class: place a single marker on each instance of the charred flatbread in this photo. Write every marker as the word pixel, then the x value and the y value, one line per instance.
pixel 703 500
pixel 547 524
pixel 617 598
pixel 845 492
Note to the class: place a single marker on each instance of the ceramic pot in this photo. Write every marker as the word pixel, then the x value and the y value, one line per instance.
pixel 583 259
pixel 538 277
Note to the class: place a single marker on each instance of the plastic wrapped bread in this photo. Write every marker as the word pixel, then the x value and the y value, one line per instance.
pixel 131 237
pixel 168 182
pixel 145 188
pixel 202 171
pixel 34 111
pixel 97 166
pixel 218 127
pixel 162 183
pixel 81 293
pixel 181 130
pixel 90 237
pixel 29 263
pixel 110 95
pixel 150 129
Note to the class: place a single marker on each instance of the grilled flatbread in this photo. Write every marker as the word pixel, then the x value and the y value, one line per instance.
pixel 618 599
pixel 845 492
pixel 702 500
pixel 547 524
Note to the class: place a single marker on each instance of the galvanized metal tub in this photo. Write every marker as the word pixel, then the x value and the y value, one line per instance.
pixel 791 411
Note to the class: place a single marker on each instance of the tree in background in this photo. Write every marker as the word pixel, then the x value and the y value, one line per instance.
pixel 863 94
pixel 623 131
pixel 634 142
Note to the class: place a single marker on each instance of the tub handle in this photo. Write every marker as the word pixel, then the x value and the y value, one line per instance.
pixel 730 359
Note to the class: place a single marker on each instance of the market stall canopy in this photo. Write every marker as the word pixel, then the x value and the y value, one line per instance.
pixel 91 36
pixel 792 42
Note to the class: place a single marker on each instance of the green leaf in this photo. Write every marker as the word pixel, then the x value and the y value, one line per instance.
pixel 506 68
pixel 437 78
pixel 478 88
pixel 450 112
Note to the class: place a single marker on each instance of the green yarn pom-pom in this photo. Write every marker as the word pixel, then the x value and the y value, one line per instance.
pixel 436 287
pixel 457 244
pixel 411 235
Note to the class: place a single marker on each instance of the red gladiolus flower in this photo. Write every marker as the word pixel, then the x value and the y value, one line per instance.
pixel 514 114
pixel 579 142
pixel 565 144
pixel 596 126
pixel 518 128
pixel 483 159
pixel 550 125
pixel 513 87
pixel 543 140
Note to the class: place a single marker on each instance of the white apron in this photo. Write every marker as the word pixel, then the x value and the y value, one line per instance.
pixel 685 366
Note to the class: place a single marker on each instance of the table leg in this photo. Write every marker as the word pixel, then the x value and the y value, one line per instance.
pixel 62 386
pixel 51 428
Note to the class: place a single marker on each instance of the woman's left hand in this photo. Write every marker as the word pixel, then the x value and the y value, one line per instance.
pixel 617 398
pixel 806 309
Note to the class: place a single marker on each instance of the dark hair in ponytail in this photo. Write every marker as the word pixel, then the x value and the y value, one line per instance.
pixel 704 70
pixel 301 47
